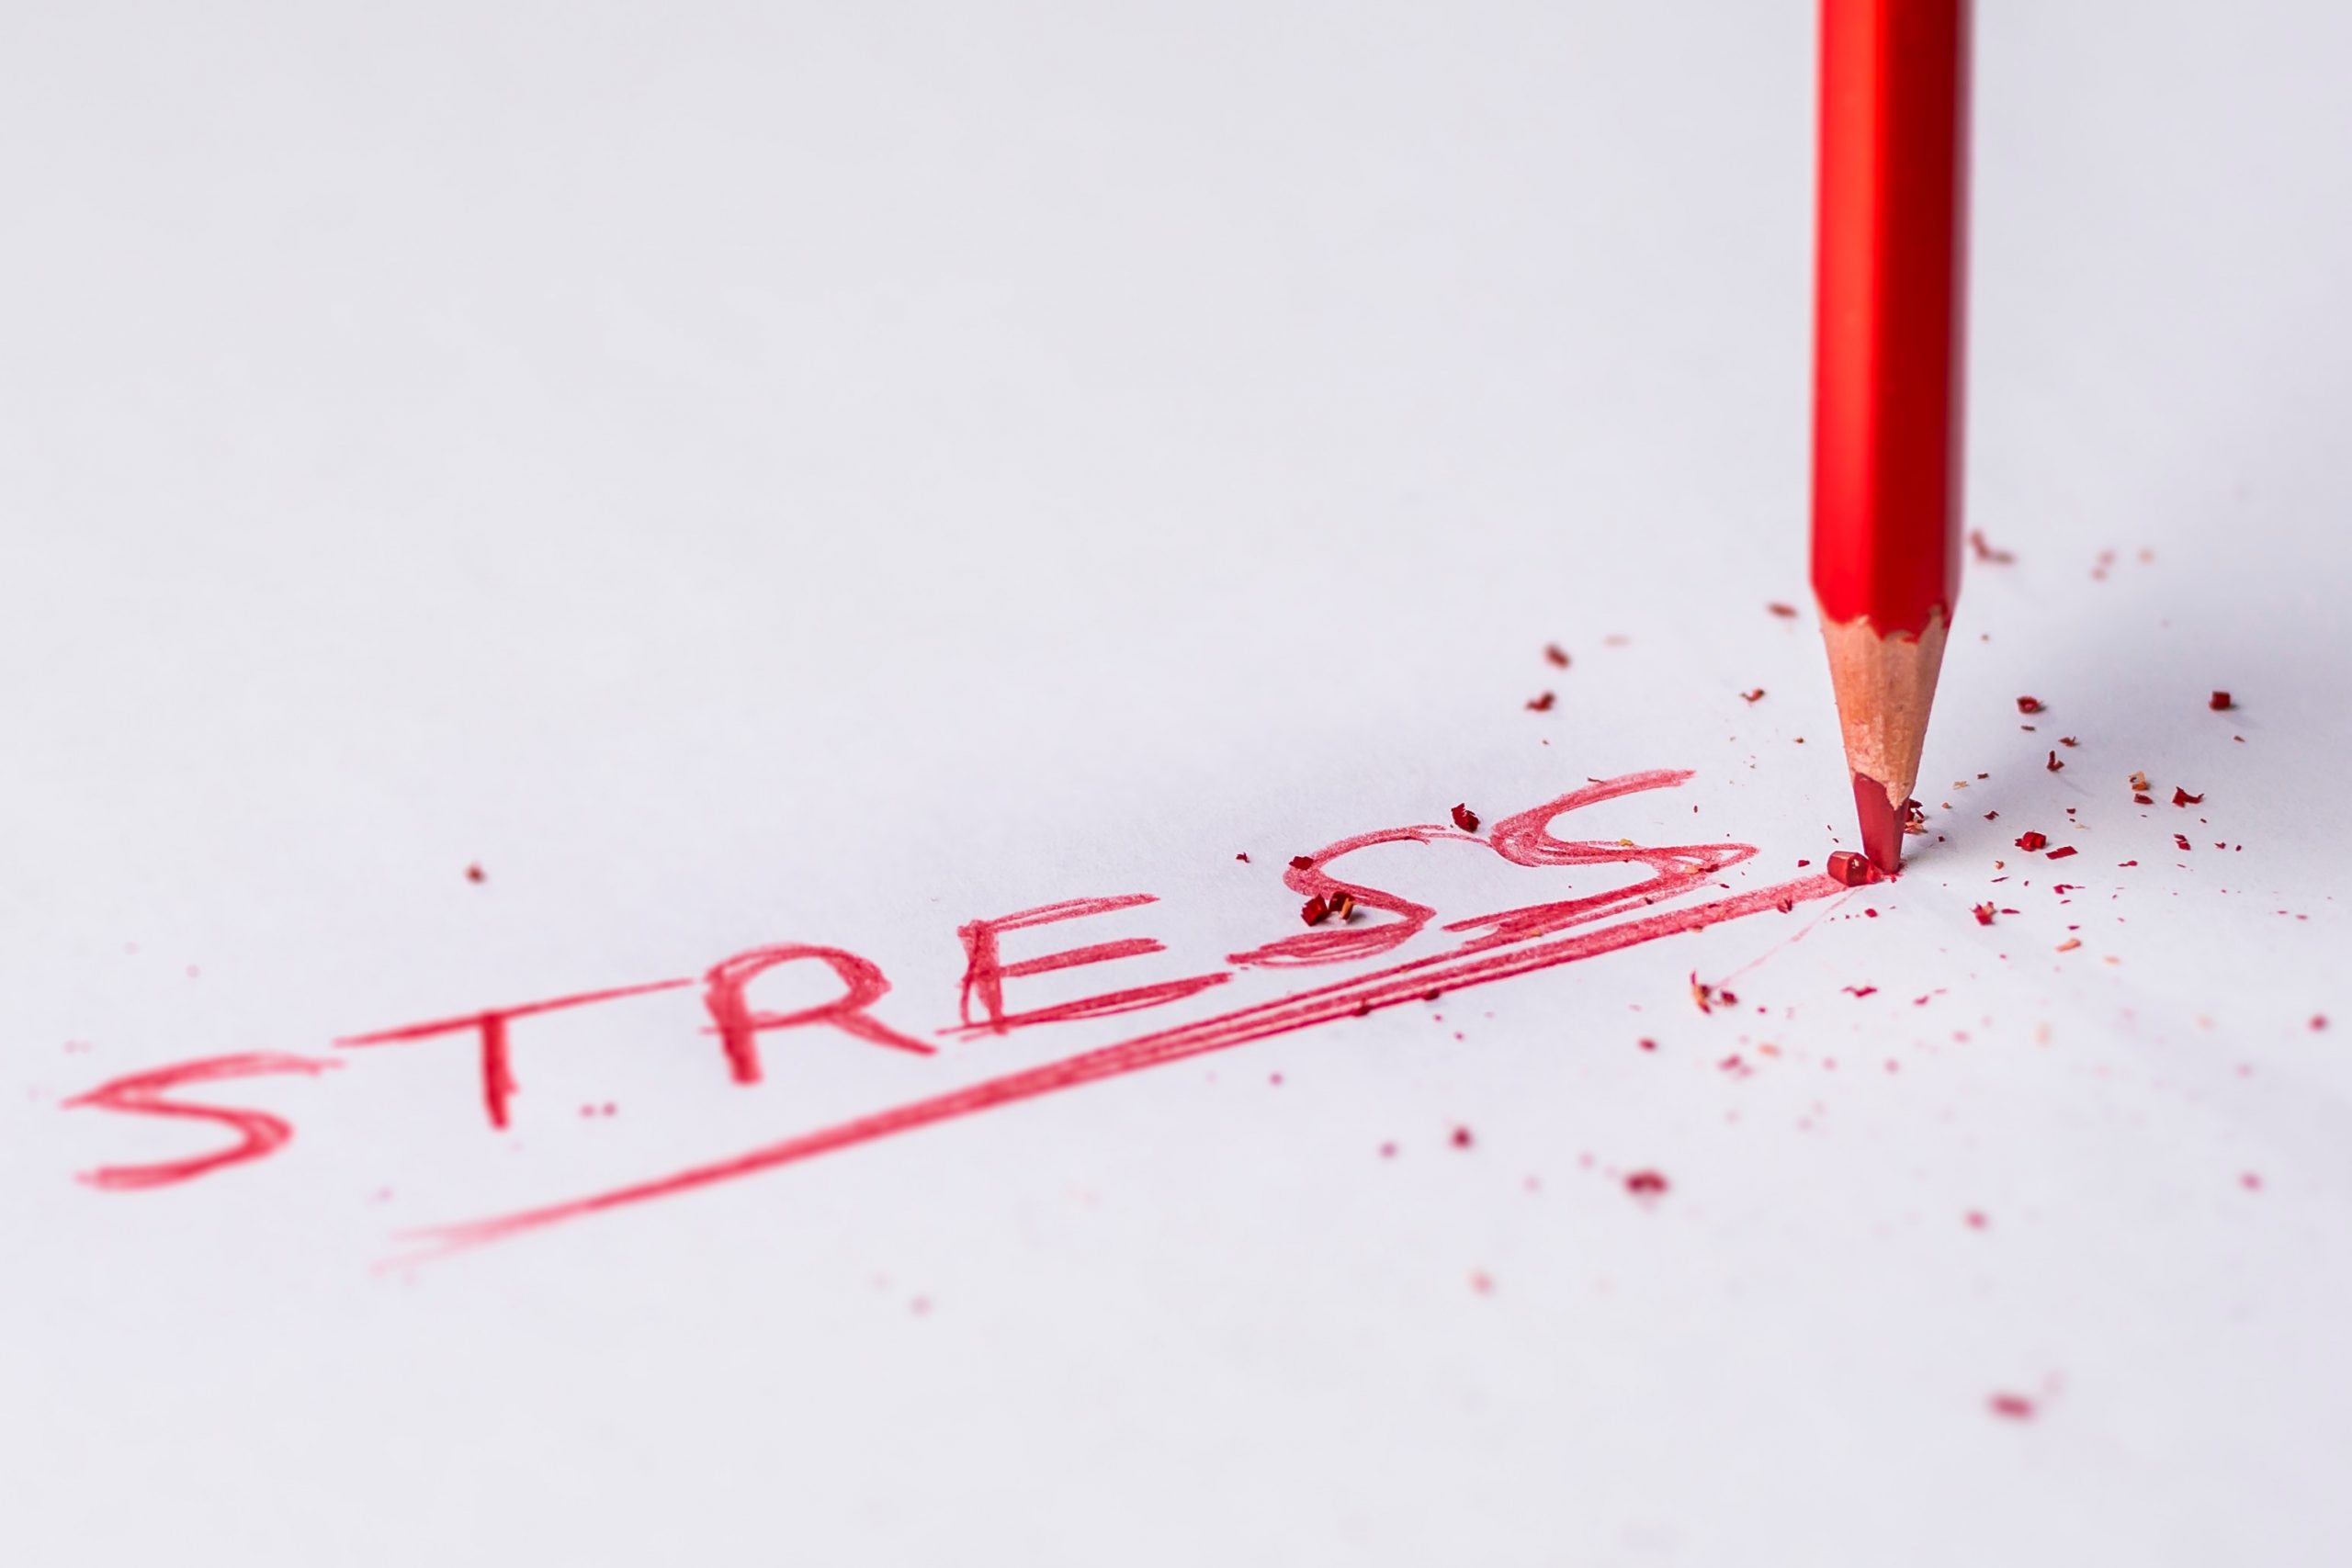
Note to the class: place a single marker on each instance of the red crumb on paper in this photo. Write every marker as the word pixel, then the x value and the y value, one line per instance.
pixel 2053 764
pixel 2137 781
pixel 1646 1184
pixel 1701 994
pixel 1852 870
pixel 2182 797
pixel 1557 654
pixel 2015 1406
pixel 1862 990
pixel 1541 705
pixel 1646 1044
pixel 2251 1182
pixel 1462 1139
pixel 2061 852
pixel 2031 841
pixel 1482 1282
pixel 2068 741
pixel 1388 1151
pixel 1465 818
pixel 1755 696
pixel 1315 911
pixel 2220 702
pixel 1984 913
pixel 1243 857
pixel 1302 862
pixel 474 873
pixel 2182 840
pixel 2142 800
pixel 1986 552
pixel 1343 906
pixel 2319 1021
pixel 1786 612
pixel 1915 817
pixel 2029 704
pixel 1975 1218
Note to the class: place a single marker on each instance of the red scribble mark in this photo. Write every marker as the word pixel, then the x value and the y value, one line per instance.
pixel 1527 840
pixel 1470 966
pixel 985 971
pixel 2014 1407
pixel 498 1083
pixel 737 1026
pixel 141 1094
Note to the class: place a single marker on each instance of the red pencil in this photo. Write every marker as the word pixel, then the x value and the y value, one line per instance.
pixel 1887 349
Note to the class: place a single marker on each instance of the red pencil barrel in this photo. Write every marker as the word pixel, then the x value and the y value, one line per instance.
pixel 1890 286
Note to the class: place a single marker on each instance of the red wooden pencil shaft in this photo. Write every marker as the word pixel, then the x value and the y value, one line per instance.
pixel 1889 297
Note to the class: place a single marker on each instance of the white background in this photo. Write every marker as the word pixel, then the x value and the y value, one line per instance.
pixel 748 474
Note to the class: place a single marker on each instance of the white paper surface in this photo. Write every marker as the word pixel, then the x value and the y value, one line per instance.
pixel 742 477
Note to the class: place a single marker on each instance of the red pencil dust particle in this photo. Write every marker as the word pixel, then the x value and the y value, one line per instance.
pixel 2061 852
pixel 1850 869
pixel 2015 1406
pixel 2031 841
pixel 1557 654
pixel 1315 911
pixel 2029 704
pixel 1786 612
pixel 2220 702
pixel 1302 862
pixel 1541 705
pixel 1986 552
pixel 1755 696
pixel 2181 839
pixel 2182 797
pixel 2251 1182
pixel 2054 764
pixel 1915 817
pixel 1462 1139
pixel 1984 913
pixel 1648 1044
pixel 1465 818
pixel 1646 1184
pixel 474 873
